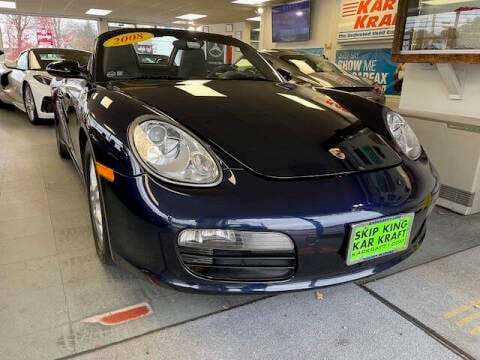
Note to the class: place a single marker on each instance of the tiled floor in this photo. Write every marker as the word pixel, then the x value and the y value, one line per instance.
pixel 50 279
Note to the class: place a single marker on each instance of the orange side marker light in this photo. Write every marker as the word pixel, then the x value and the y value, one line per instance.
pixel 105 172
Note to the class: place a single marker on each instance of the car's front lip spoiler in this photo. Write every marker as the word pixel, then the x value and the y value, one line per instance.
pixel 165 280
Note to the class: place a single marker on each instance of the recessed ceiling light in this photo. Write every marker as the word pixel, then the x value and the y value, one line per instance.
pixel 191 17
pixel 249 2
pixel 8 4
pixel 256 18
pixel 99 12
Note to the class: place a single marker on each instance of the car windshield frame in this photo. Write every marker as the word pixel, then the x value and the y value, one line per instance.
pixel 70 54
pixel 242 50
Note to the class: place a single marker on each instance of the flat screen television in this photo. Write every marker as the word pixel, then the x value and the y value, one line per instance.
pixel 291 22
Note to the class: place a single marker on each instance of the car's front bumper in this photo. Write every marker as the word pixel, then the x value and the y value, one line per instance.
pixel 145 218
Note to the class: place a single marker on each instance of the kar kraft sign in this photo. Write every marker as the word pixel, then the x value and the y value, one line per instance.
pixel 367 19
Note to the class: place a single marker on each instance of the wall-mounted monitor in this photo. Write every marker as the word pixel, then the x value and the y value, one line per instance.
pixel 291 22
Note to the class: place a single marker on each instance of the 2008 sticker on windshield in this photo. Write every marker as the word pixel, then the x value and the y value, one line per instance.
pixel 127 39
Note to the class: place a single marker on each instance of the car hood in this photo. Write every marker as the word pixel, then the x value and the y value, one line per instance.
pixel 339 81
pixel 275 130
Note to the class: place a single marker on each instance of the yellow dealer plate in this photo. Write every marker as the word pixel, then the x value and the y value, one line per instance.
pixel 127 39
pixel 379 237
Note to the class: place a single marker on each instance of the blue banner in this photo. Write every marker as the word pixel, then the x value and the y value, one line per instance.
pixel 374 64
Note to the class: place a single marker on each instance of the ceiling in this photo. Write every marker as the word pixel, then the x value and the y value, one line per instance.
pixel 158 12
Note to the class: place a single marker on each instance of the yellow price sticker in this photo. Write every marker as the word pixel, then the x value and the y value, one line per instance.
pixel 127 39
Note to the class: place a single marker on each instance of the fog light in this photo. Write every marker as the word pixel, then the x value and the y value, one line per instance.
pixel 235 240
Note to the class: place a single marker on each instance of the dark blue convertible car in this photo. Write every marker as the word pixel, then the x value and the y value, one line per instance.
pixel 213 174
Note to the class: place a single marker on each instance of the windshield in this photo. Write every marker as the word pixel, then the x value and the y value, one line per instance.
pixel 309 64
pixel 42 57
pixel 175 54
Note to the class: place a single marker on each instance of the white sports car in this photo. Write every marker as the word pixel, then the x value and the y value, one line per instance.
pixel 26 84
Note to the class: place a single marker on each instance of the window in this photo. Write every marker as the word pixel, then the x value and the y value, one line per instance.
pixel 437 31
pixel 22 62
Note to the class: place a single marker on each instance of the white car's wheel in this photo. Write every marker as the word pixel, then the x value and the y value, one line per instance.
pixel 29 102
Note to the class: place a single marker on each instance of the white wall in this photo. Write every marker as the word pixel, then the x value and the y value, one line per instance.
pixel 424 90
pixel 244 27
pixel 448 129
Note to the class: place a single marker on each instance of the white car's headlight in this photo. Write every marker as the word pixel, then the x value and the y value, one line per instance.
pixel 173 154
pixel 404 135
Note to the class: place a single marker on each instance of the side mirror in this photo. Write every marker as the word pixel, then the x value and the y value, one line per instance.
pixel 66 69
pixel 285 74
pixel 10 64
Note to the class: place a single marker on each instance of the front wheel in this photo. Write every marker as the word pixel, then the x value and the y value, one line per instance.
pixel 29 102
pixel 97 207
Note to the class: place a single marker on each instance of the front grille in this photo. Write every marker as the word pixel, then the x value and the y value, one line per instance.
pixel 47 105
pixel 230 265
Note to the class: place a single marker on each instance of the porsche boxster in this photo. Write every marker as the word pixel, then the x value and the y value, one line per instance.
pixel 25 84
pixel 211 177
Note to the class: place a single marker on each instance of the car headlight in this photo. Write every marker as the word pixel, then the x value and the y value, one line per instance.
pixel 403 135
pixel 43 79
pixel 173 154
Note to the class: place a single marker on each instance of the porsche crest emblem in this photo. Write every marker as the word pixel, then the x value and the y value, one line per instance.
pixel 339 154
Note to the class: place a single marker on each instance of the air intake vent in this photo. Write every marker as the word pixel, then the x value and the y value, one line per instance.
pixel 231 265
pixel 456 195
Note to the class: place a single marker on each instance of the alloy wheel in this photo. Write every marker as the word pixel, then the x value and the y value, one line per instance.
pixel 29 103
pixel 95 204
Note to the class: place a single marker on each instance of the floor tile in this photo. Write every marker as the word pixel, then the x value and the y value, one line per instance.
pixel 32 311
pixel 21 277
pixel 345 324
pixel 70 219
pixel 72 240
pixel 47 344
pixel 20 209
pixel 22 248
pixel 430 291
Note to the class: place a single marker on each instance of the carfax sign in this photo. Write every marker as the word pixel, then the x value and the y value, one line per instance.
pixel 374 64
pixel 367 20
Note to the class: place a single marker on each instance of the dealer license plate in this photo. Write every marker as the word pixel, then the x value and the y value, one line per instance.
pixel 379 237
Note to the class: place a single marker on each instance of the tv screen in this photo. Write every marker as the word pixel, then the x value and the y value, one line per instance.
pixel 291 22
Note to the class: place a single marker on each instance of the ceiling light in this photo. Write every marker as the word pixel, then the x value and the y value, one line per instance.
pixel 256 18
pixel 259 11
pixel 8 4
pixel 249 2
pixel 99 12
pixel 191 17
pixel 180 22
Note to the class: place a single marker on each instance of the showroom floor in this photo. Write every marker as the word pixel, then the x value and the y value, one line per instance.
pixel 50 280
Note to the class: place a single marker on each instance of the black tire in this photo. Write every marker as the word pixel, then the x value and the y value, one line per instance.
pixel 61 147
pixel 99 228
pixel 31 112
